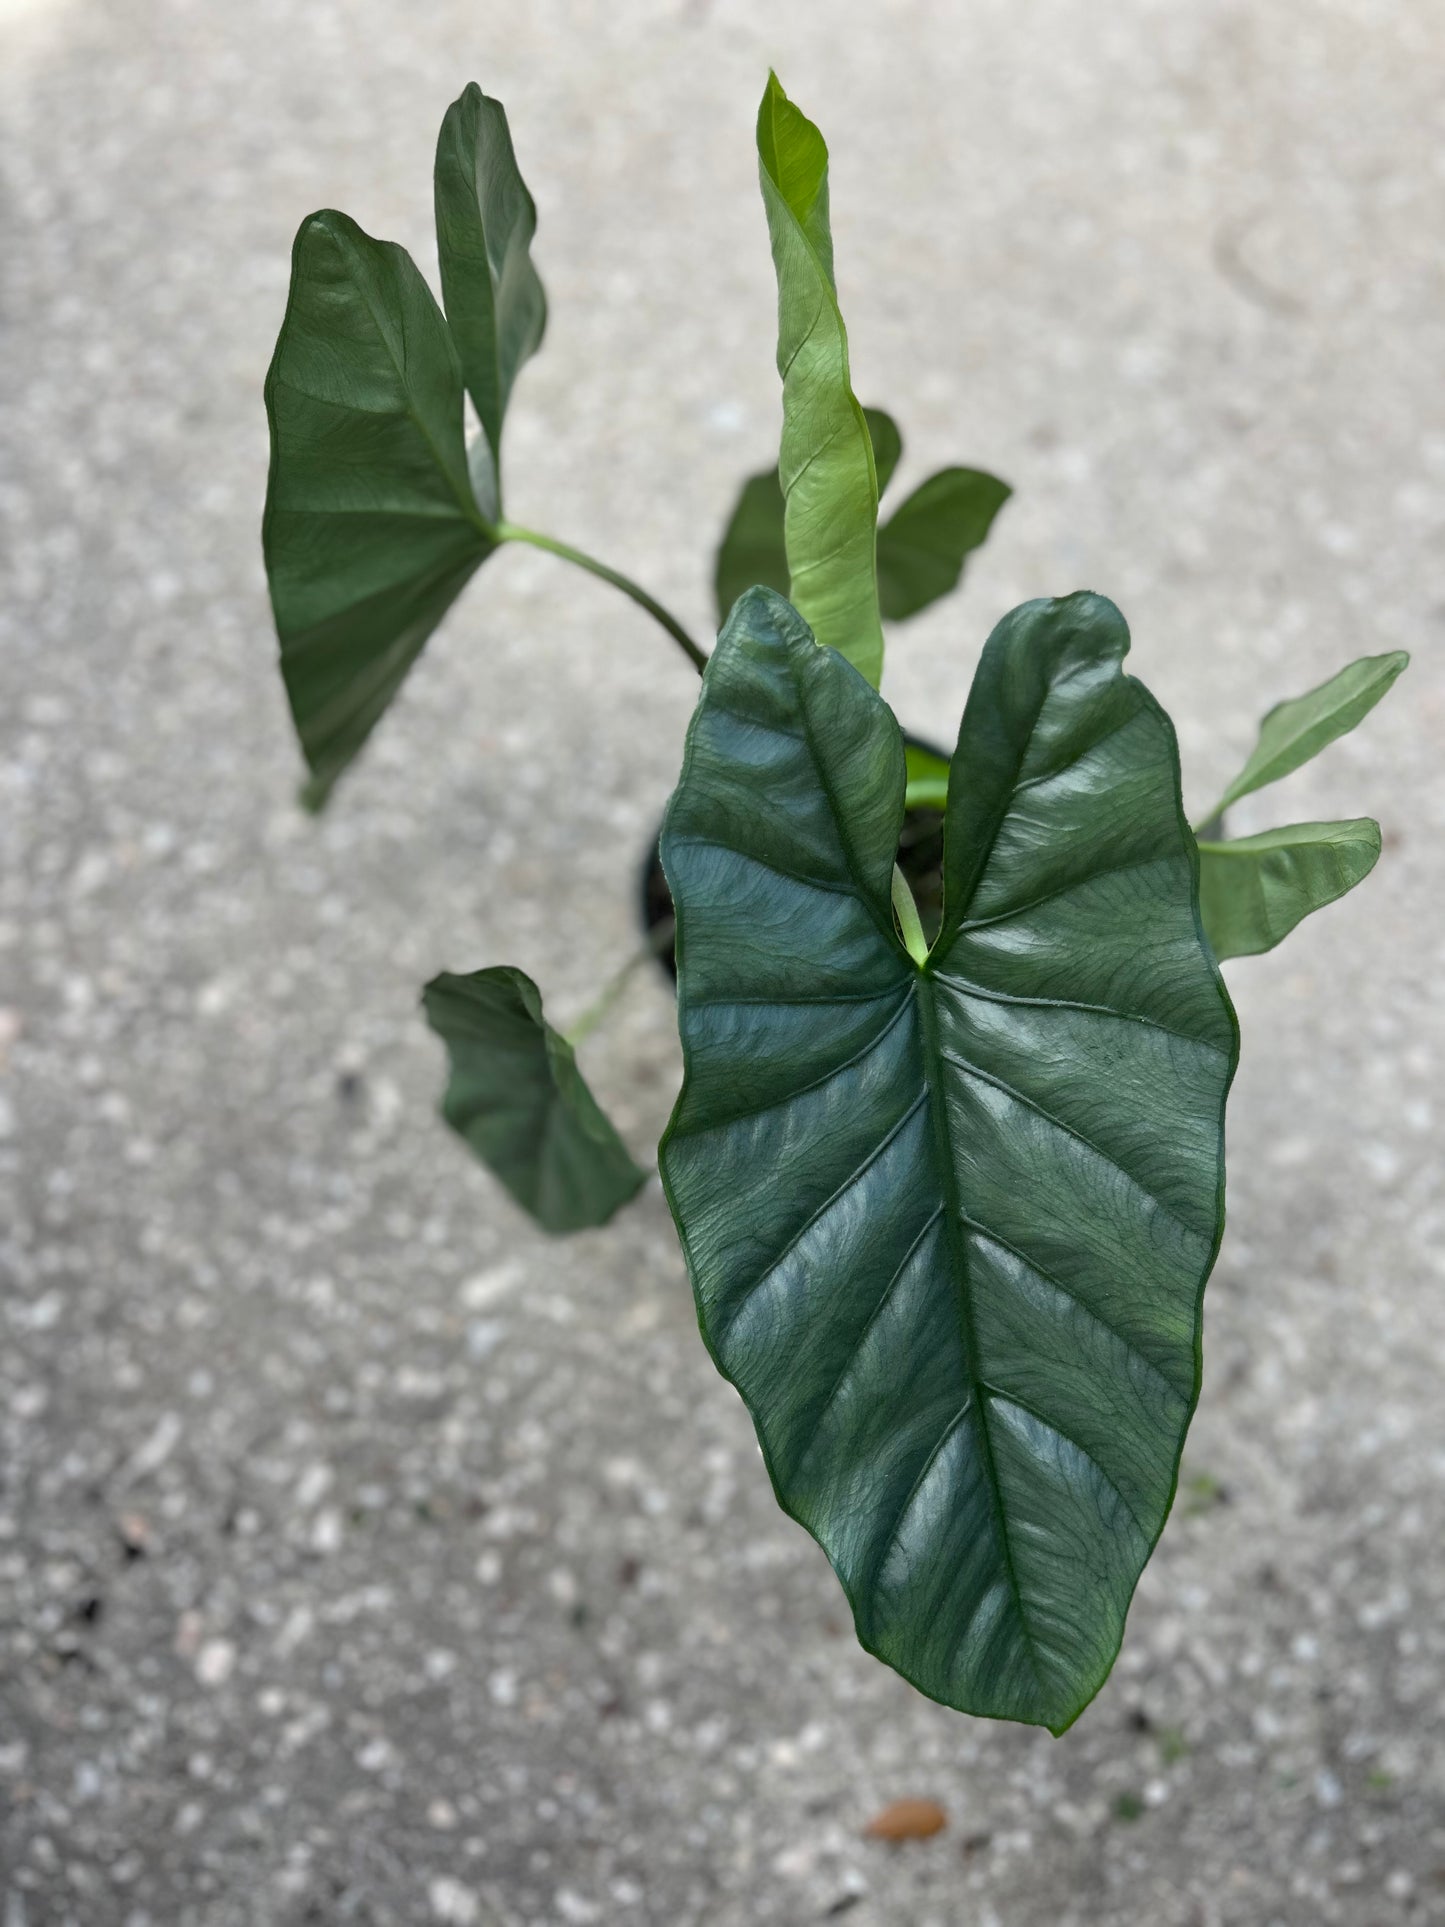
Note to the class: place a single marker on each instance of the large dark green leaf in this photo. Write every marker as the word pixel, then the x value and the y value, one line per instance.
pixel 517 1097
pixel 826 467
pixel 485 221
pixel 1254 890
pixel 922 546
pixel 1294 731
pixel 371 527
pixel 949 1227
pixel 753 551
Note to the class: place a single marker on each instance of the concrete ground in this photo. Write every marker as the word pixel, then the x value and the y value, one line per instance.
pixel 365 1557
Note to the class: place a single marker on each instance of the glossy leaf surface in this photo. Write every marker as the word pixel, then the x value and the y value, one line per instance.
pixel 754 552
pixel 948 1228
pixel 517 1097
pixel 371 528
pixel 485 220
pixel 825 464
pixel 1297 730
pixel 1255 889
pixel 924 543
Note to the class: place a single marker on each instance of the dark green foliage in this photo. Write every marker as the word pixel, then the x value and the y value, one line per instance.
pixel 371 527
pixel 949 1226
pixel 517 1097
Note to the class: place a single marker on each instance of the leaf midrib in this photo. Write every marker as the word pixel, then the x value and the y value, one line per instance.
pixel 978 1387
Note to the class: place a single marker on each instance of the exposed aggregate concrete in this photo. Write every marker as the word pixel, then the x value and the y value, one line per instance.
pixel 364 1557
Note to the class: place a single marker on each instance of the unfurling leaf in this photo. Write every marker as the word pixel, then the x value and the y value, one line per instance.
pixel 922 546
pixel 371 528
pixel 485 220
pixel 1299 729
pixel 753 552
pixel 948 1227
pixel 517 1097
pixel 825 465
pixel 1255 889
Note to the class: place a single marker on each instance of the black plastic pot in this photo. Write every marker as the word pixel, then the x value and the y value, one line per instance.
pixel 920 858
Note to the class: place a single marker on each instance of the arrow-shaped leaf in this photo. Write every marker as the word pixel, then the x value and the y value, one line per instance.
pixel 1254 890
pixel 485 220
pixel 922 546
pixel 1299 729
pixel 517 1097
pixel 371 528
pixel 826 466
pixel 753 552
pixel 949 1227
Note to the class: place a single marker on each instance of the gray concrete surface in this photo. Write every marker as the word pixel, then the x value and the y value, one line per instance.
pixel 366 1558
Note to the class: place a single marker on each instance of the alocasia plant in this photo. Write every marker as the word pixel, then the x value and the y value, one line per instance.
pixel 948 1176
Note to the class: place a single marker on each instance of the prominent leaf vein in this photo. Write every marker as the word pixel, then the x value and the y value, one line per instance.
pixel 967 989
pixel 854 1177
pixel 795 1091
pixel 998 1395
pixel 1067 1130
pixel 1065 890
pixel 1051 1278
pixel 851 1361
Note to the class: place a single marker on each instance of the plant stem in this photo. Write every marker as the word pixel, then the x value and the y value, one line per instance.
pixel 909 924
pixel 510 532
pixel 658 938
pixel 926 793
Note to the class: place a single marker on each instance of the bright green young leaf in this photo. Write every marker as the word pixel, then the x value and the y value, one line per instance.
pixel 1295 731
pixel 927 778
pixel 517 1097
pixel 948 1227
pixel 921 548
pixel 826 466
pixel 485 221
pixel 1254 890
pixel 371 527
pixel 753 551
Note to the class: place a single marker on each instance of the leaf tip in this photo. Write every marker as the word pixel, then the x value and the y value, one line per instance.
pixel 315 793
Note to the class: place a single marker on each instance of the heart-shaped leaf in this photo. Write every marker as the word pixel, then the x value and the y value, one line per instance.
pixel 371 528
pixel 485 220
pixel 922 546
pixel 825 465
pixel 517 1097
pixel 1255 889
pixel 1299 729
pixel 948 1227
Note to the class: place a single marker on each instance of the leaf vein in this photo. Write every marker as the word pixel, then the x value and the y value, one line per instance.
pixel 854 1177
